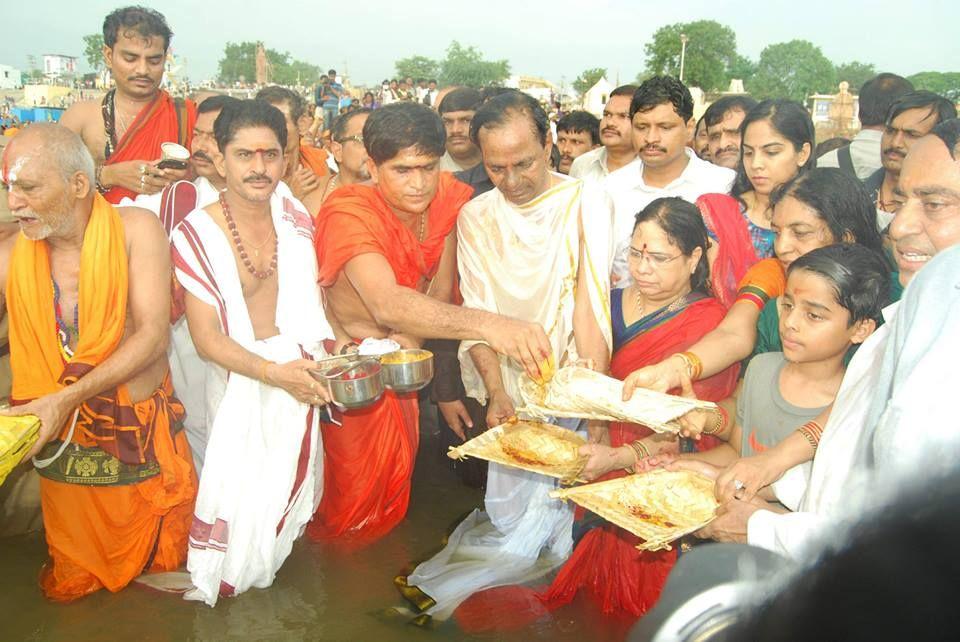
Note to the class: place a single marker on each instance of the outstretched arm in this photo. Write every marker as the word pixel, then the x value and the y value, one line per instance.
pixel 407 311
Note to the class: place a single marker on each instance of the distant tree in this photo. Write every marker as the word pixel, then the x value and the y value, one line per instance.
pixel 946 84
pixel 466 66
pixel 856 73
pixel 239 62
pixel 641 76
pixel 742 68
pixel 589 78
pixel 711 52
pixel 93 50
pixel 792 70
pixel 417 67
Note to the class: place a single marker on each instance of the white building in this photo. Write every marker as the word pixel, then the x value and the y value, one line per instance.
pixel 56 66
pixel 10 78
pixel 595 98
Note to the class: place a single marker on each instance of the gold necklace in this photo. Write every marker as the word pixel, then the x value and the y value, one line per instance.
pixel 423 226
pixel 673 306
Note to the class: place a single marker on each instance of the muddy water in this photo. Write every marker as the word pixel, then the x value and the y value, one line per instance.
pixel 320 593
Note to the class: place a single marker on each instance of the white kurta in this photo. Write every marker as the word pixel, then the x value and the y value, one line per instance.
pixel 521 261
pixel 263 475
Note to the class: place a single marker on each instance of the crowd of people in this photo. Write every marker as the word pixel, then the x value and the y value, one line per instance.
pixel 164 320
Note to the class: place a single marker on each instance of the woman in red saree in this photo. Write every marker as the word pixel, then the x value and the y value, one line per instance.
pixel 668 308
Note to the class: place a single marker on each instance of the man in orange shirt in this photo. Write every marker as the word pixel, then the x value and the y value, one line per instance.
pixel 387 259
pixel 124 131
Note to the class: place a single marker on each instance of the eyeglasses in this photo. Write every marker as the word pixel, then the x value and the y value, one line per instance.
pixel 656 261
pixel 358 138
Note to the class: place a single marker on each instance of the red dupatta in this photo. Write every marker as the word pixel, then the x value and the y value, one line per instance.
pixel 735 251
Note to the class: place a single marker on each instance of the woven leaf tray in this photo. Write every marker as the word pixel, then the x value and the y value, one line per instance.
pixel 528 445
pixel 17 435
pixel 578 392
pixel 658 507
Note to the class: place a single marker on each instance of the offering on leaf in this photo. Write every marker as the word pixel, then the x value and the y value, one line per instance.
pixel 579 392
pixel 658 507
pixel 17 435
pixel 528 445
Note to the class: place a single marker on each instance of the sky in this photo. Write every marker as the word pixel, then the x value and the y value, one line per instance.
pixel 555 39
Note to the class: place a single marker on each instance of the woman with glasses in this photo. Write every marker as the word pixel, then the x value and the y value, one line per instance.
pixel 667 308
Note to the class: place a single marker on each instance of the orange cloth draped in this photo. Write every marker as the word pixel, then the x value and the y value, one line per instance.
pixel 155 124
pixel 314 158
pixel 368 461
pixel 99 536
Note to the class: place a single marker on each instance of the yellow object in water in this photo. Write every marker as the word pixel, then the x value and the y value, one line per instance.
pixel 17 435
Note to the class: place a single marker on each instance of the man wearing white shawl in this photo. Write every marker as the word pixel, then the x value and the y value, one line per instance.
pixel 538 247
pixel 254 311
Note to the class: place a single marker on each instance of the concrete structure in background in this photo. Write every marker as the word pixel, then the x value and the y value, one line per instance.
pixel 10 77
pixel 56 66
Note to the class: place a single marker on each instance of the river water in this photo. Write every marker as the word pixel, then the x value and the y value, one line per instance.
pixel 321 593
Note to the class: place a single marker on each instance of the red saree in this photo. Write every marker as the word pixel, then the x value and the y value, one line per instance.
pixel 368 461
pixel 735 252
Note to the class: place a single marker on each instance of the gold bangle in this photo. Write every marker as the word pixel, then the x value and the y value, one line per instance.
pixel 693 363
pixel 640 451
pixel 722 419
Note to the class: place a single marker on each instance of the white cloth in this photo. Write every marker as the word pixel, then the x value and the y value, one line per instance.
pixel 592 166
pixel 254 499
pixel 698 178
pixel 187 369
pixel 447 164
pixel 893 416
pixel 864 153
pixel 522 261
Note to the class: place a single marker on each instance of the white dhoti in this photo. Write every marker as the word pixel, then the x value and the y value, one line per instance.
pixel 262 478
pixel 521 261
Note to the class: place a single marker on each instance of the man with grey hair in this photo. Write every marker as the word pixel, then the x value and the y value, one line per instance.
pixel 119 500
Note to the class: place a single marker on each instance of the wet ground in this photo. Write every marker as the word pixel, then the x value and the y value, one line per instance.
pixel 320 593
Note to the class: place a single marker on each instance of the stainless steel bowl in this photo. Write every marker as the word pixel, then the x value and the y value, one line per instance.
pixel 358 388
pixel 413 373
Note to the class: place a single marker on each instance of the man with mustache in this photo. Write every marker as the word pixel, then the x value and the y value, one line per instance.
pixel 254 312
pixel 616 140
pixel 862 156
pixel 722 120
pixel 387 253
pixel 349 152
pixel 456 111
pixel 911 117
pixel 86 289
pixel 124 131
pixel 661 112
pixel 577 133
pixel 306 164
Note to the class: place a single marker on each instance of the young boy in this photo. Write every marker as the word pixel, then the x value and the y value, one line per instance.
pixel 833 300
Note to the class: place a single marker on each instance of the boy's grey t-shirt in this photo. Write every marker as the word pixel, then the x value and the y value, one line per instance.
pixel 764 416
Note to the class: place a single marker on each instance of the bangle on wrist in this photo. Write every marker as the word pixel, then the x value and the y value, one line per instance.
pixel 640 451
pixel 722 417
pixel 263 370
pixel 693 363
pixel 99 180
pixel 812 432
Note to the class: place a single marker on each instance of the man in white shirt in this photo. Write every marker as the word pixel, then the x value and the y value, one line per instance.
pixel 662 115
pixel 616 150
pixel 577 133
pixel 893 415
pixel 862 157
